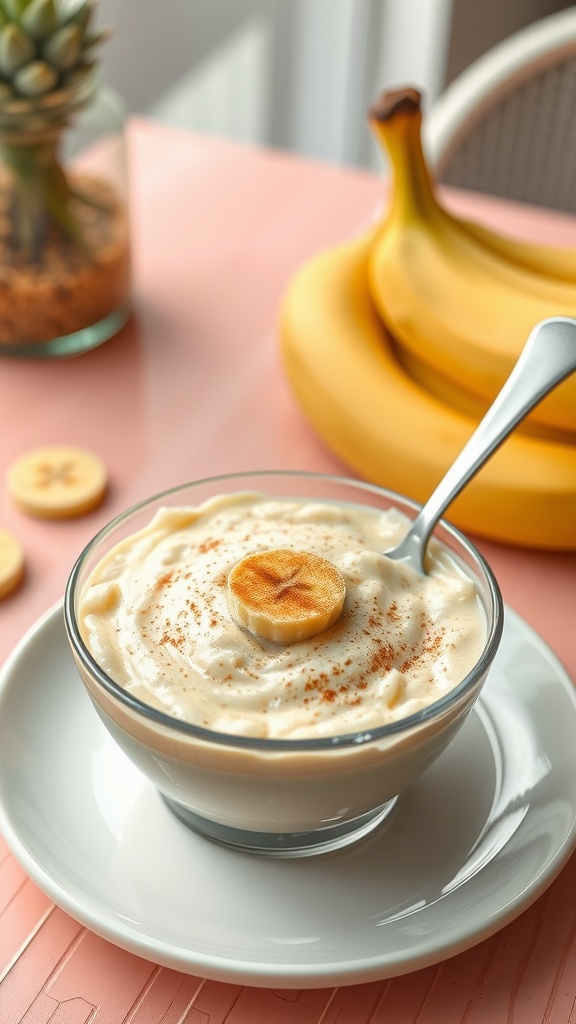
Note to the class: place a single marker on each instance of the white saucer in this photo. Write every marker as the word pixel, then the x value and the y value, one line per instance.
pixel 464 851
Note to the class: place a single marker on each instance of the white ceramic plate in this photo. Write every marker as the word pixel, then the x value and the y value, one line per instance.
pixel 464 852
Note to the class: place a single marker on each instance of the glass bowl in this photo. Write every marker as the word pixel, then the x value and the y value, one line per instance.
pixel 280 797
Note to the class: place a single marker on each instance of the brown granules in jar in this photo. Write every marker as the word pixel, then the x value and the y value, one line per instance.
pixel 73 286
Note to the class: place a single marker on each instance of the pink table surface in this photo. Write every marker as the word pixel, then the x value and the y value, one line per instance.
pixel 193 386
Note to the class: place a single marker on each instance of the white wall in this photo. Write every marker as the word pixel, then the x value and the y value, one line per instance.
pixel 298 74
pixel 293 73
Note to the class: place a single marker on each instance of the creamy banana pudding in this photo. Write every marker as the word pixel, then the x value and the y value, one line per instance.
pixel 280 618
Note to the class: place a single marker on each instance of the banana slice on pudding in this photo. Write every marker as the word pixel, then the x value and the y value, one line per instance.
pixel 284 595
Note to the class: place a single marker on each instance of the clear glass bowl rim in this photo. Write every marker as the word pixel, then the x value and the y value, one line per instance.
pixel 256 743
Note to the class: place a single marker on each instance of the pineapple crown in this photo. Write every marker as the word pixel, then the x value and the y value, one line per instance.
pixel 45 46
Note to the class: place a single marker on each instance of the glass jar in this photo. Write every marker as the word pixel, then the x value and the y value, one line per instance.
pixel 64 224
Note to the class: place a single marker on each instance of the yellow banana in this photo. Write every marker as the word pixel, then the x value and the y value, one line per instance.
pixel 555 261
pixel 457 397
pixel 450 300
pixel 339 362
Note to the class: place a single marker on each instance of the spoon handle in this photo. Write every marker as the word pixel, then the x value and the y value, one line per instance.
pixel 548 357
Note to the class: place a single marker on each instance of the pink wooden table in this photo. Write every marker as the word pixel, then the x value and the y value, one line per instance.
pixel 193 387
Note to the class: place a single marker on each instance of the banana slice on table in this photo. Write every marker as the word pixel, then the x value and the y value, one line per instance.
pixel 284 595
pixel 57 482
pixel 11 563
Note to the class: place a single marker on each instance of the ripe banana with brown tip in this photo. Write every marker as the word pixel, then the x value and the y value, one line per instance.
pixel 452 300
pixel 339 362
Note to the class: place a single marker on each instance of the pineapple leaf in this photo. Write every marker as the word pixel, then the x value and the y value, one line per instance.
pixel 16 49
pixel 62 49
pixel 39 19
pixel 57 197
pixel 97 38
pixel 15 8
pixel 35 79
pixel 80 15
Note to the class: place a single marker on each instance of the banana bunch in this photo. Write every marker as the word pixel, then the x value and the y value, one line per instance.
pixel 395 343
pixel 458 302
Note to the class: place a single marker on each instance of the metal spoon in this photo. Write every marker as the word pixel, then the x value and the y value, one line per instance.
pixel 548 357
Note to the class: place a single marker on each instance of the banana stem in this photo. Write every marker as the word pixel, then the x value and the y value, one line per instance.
pixel 396 120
